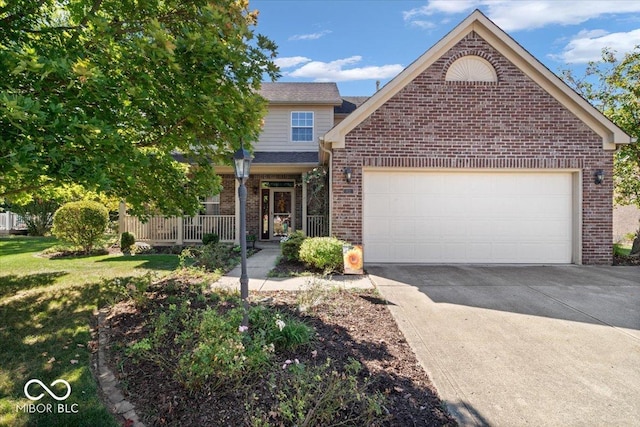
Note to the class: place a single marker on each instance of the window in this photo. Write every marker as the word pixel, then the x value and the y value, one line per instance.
pixel 471 68
pixel 302 126
pixel 211 205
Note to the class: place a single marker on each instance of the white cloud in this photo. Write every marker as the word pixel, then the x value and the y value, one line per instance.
pixel 440 6
pixel 336 71
pixel 291 61
pixel 425 25
pixel 527 14
pixel 312 36
pixel 587 45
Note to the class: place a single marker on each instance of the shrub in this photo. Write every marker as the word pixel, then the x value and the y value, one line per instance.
pixel 284 332
pixel 324 253
pixel 81 223
pixel 323 395
pixel 127 240
pixel 222 257
pixel 219 357
pixel 290 246
pixel 210 238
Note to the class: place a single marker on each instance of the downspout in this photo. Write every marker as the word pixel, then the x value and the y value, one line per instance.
pixel 321 144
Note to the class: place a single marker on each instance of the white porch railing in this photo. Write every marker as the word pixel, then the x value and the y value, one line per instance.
pixel 317 226
pixel 190 230
pixel 197 226
pixel 177 230
pixel 11 221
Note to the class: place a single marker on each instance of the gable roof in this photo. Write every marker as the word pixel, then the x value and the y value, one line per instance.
pixel 510 49
pixel 349 104
pixel 301 93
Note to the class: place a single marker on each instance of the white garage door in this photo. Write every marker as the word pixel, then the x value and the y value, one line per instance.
pixel 467 217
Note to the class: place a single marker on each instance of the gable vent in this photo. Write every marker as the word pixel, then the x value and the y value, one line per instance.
pixel 471 68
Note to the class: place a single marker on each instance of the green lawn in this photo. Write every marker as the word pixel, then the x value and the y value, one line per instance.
pixel 47 312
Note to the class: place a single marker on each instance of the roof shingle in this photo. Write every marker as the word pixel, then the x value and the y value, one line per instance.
pixel 301 93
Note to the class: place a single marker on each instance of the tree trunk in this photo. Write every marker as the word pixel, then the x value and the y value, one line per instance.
pixel 635 248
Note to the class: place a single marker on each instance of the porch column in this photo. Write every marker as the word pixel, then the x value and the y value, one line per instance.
pixel 180 230
pixel 304 207
pixel 122 212
pixel 236 239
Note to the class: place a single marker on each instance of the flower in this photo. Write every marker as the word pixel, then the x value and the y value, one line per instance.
pixel 243 328
pixel 289 362
pixel 271 348
pixel 353 259
pixel 280 324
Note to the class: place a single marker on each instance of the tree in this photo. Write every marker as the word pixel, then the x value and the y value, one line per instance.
pixel 37 208
pixel 108 93
pixel 613 86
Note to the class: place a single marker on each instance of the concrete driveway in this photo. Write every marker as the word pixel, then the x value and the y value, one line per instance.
pixel 524 345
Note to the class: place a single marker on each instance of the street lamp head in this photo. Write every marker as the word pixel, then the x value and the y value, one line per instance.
pixel 242 164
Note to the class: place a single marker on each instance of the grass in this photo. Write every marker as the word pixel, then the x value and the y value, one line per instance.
pixel 47 308
pixel 621 249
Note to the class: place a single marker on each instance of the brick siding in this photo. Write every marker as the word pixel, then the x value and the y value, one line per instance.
pixel 512 124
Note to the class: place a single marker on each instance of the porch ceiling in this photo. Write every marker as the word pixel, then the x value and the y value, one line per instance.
pixel 279 162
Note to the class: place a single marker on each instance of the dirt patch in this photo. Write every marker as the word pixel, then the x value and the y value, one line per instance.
pixel 348 324
pixel 626 260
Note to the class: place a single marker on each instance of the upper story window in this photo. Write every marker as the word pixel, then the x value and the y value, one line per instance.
pixel 302 126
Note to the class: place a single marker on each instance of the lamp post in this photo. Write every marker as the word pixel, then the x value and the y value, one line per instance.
pixel 241 164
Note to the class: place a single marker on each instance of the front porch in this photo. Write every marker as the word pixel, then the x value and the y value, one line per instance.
pixel 161 231
pixel 277 205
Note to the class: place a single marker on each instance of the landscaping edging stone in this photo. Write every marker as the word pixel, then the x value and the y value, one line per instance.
pixel 115 400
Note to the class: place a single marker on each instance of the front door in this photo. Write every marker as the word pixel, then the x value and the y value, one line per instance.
pixel 277 209
pixel 281 209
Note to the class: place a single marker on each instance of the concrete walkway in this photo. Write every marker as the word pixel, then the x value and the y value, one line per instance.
pixel 261 263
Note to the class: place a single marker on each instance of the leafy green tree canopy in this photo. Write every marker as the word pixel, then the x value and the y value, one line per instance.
pixel 105 93
pixel 613 86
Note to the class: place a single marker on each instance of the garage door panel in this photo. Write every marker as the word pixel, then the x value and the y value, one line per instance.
pixel 405 229
pixel 467 217
pixel 455 252
pixel 377 184
pixel 378 229
pixel 477 250
pixel 378 203
pixel 480 229
pixel 400 204
pixel 454 228
pixel 380 249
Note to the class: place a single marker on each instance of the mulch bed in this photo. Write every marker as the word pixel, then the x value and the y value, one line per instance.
pixel 626 260
pixel 349 324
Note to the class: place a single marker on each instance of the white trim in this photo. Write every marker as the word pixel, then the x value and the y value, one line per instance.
pixel 304 207
pixel 313 126
pixel 237 207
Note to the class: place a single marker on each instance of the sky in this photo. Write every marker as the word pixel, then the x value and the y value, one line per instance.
pixel 357 42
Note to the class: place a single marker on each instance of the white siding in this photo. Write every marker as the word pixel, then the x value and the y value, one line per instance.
pixel 276 134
